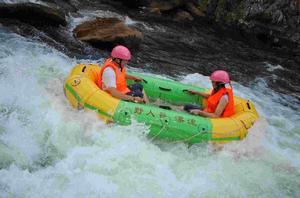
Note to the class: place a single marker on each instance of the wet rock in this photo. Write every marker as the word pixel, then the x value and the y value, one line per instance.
pixel 134 3
pixel 107 32
pixel 271 22
pixel 163 6
pixel 183 16
pixel 36 14
pixel 66 6
pixel 279 20
pixel 58 38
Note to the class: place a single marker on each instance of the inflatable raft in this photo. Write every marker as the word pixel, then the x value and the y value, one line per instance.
pixel 83 93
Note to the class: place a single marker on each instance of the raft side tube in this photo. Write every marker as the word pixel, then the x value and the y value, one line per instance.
pixel 165 124
pixel 235 127
pixel 169 91
pixel 82 92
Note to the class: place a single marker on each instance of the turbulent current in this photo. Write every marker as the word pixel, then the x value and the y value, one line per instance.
pixel 48 149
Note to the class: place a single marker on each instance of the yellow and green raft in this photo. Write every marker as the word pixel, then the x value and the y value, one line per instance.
pixel 82 92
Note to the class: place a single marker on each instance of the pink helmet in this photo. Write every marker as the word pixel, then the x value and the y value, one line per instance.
pixel 220 76
pixel 121 52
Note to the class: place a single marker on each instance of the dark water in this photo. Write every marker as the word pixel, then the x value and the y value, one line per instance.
pixel 177 48
pixel 185 48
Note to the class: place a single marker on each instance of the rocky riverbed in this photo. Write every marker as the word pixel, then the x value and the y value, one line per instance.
pixel 253 40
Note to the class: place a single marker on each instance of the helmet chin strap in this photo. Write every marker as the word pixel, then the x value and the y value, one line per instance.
pixel 230 84
pixel 118 61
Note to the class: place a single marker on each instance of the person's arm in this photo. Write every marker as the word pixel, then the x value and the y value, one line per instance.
pixel 117 94
pixel 131 77
pixel 218 112
pixel 109 85
pixel 203 94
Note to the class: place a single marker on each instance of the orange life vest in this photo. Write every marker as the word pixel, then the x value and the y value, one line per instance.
pixel 120 76
pixel 213 101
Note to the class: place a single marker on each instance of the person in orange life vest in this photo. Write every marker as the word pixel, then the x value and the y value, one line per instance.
pixel 113 77
pixel 219 102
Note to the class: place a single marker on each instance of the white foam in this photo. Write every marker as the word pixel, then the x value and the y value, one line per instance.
pixel 48 149
pixel 272 68
pixel 23 1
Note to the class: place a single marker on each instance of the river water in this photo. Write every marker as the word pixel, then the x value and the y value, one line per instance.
pixel 48 149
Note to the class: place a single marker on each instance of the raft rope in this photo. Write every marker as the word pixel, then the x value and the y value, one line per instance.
pixel 202 133
pixel 160 131
pixel 229 133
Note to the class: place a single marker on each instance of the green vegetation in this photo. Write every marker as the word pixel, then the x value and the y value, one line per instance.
pixel 222 13
pixel 202 5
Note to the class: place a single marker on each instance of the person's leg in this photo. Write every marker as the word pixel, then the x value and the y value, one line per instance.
pixel 137 90
pixel 135 94
pixel 145 97
pixel 190 107
pixel 136 87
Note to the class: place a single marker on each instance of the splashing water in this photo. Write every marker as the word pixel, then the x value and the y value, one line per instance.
pixel 22 1
pixel 48 149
